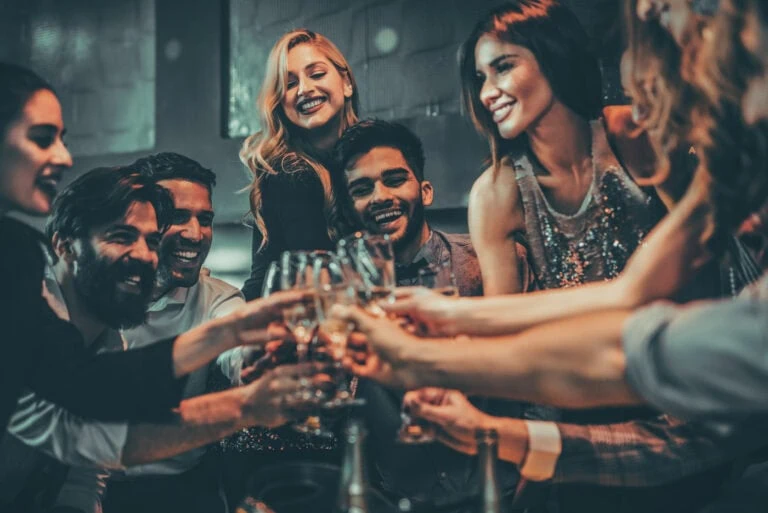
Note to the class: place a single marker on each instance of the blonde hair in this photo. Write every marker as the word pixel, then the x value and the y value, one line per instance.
pixel 277 145
pixel 655 72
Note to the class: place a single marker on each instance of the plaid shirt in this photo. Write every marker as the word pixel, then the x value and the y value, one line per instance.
pixel 637 453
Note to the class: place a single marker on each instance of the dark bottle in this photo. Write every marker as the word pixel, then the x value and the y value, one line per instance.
pixel 354 483
pixel 487 457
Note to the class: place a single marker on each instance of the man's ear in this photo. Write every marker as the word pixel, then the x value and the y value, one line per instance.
pixel 427 193
pixel 63 248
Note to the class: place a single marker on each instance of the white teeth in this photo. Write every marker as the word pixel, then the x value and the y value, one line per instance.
pixel 502 112
pixel 387 216
pixel 186 255
pixel 133 280
pixel 310 104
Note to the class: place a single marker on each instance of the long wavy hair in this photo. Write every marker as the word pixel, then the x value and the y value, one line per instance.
pixel 279 146
pixel 655 75
pixel 735 154
pixel 561 47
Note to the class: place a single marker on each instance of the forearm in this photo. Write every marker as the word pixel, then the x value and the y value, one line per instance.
pixel 641 453
pixel 200 421
pixel 574 363
pixel 503 315
pixel 201 344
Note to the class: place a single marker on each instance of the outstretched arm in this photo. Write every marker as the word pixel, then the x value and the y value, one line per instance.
pixel 667 259
pixel 576 362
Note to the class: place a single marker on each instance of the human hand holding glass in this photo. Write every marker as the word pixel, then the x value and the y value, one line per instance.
pixel 333 287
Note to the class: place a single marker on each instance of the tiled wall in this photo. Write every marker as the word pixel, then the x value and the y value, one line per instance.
pixel 402 52
pixel 101 58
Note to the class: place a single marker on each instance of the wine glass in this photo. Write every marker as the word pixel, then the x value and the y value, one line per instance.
pixel 372 259
pixel 440 278
pixel 300 319
pixel 334 287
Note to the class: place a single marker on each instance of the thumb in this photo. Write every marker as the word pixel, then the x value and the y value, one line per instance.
pixel 399 307
pixel 354 314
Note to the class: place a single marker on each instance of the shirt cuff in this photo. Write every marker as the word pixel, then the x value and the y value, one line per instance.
pixel 544 448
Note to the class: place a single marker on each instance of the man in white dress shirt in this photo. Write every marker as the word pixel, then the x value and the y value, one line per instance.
pixel 103 280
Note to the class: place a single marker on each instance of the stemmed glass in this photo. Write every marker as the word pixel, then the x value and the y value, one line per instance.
pixel 372 260
pixel 333 286
pixel 439 278
pixel 296 273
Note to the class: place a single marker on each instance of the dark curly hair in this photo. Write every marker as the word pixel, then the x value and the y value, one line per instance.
pixel 103 195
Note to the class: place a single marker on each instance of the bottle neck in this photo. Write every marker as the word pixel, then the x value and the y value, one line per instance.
pixel 354 483
pixel 487 456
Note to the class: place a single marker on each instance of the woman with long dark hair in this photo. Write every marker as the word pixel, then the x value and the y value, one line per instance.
pixel 38 350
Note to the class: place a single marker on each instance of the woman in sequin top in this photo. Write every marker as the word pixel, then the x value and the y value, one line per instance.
pixel 533 89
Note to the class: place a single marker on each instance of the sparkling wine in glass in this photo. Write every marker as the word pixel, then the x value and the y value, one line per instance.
pixel 300 319
pixel 333 287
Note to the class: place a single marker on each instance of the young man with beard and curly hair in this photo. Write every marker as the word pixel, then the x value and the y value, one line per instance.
pixel 106 231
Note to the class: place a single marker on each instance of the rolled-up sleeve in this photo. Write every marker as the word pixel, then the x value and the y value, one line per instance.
pixel 705 360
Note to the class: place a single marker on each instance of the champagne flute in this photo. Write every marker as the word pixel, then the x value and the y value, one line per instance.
pixel 333 287
pixel 372 258
pixel 440 278
pixel 296 273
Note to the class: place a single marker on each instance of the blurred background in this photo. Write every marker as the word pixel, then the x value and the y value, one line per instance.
pixel 143 76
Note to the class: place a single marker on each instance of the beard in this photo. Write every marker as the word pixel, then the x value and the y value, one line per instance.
pixel 412 227
pixel 96 282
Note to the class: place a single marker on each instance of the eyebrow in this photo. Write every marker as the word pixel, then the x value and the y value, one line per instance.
pixel 495 62
pixel 48 126
pixel 384 174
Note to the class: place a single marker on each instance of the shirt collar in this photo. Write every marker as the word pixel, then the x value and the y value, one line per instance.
pixel 177 296
pixel 428 251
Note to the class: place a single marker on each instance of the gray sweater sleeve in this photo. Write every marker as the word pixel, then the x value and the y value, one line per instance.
pixel 706 360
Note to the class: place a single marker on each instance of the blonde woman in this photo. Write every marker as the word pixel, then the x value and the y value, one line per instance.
pixel 308 98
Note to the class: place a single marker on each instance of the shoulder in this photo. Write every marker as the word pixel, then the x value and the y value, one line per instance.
pixel 217 294
pixel 27 257
pixel 461 240
pixel 495 201
pixel 495 188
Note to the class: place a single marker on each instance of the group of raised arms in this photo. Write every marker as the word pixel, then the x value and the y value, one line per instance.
pixel 607 314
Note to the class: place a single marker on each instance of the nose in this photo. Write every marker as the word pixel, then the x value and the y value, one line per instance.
pixel 381 193
pixel 61 156
pixel 489 93
pixel 141 252
pixel 192 230
pixel 305 85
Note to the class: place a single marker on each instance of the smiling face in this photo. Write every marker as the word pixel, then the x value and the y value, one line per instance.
pixel 513 88
pixel 315 91
pixel 186 243
pixel 33 156
pixel 114 269
pixel 387 196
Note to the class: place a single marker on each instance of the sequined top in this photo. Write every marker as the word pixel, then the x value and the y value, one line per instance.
pixel 595 242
